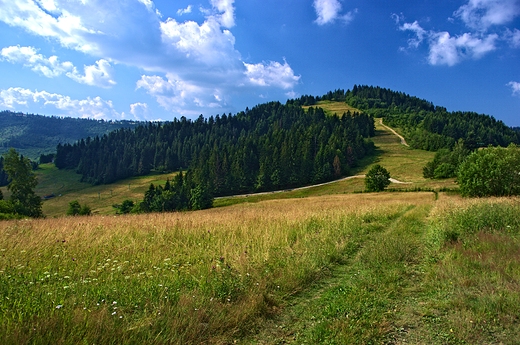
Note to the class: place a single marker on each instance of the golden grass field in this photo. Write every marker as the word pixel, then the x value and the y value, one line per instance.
pixel 315 266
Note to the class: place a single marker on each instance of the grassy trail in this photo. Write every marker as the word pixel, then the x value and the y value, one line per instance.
pixel 360 301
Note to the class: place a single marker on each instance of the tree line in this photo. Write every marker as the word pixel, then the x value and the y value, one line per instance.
pixel 270 146
pixel 430 127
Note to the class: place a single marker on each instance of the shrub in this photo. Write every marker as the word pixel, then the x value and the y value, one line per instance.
pixel 377 179
pixel 493 171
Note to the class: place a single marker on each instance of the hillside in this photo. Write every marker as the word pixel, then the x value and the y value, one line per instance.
pixel 33 135
pixel 321 265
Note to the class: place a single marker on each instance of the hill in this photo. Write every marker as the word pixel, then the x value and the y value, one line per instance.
pixel 34 135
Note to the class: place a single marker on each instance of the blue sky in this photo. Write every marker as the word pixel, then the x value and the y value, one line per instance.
pixel 156 60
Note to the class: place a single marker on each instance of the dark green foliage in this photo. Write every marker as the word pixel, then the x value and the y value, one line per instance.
pixel 127 206
pixel 446 162
pixel 75 209
pixel 272 146
pixel 33 135
pixel 4 179
pixel 429 127
pixel 46 158
pixel 22 182
pixel 492 171
pixel 182 194
pixel 377 179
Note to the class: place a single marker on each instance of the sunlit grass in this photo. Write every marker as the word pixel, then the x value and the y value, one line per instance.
pixel 66 186
pixel 177 277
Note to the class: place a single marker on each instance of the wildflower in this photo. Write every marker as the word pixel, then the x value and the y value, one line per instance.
pixel 114 313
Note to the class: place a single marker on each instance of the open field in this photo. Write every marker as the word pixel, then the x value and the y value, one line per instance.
pixel 338 269
pixel 332 107
pixel 66 186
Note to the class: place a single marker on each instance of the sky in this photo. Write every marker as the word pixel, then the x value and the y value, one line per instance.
pixel 163 59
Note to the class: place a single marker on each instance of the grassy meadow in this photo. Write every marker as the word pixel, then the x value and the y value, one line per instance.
pixel 322 265
pixel 340 269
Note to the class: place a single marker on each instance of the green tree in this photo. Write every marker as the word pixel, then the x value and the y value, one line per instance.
pixel 22 183
pixel 492 171
pixel 75 209
pixel 377 179
pixel 126 207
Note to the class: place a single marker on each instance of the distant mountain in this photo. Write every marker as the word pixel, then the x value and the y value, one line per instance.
pixel 33 135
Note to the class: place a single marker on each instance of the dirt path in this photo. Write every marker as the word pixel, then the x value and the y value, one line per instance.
pixel 345 299
pixel 393 180
pixel 403 141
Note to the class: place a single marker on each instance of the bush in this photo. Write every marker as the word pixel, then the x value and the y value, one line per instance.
pixel 493 171
pixel 75 209
pixel 377 179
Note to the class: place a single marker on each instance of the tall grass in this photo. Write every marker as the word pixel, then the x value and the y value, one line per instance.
pixel 197 277
pixel 471 290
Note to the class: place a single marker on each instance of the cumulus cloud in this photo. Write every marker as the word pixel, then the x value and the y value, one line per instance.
pixel 95 108
pixel 100 74
pixel 448 50
pixel 140 111
pixel 227 12
pixel 271 74
pixel 198 58
pixel 515 86
pixel 328 11
pixel 482 14
pixel 175 94
pixel 479 16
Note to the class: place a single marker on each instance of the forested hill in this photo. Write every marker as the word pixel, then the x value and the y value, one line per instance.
pixel 268 147
pixel 424 125
pixel 430 127
pixel 33 135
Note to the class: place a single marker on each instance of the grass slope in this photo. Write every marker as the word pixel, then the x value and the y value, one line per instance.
pixel 340 269
pixel 66 186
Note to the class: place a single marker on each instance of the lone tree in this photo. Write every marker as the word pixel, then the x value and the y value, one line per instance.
pixel 377 179
pixel 22 182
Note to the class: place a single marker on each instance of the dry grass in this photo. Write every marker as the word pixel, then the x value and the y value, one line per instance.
pixel 331 107
pixel 178 277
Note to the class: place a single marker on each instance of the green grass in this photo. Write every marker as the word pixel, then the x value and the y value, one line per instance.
pixel 201 277
pixel 66 185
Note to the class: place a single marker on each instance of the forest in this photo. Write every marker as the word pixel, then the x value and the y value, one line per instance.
pixel 33 135
pixel 270 146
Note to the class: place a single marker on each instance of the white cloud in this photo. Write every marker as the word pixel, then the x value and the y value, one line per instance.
pixel 197 61
pixel 513 37
pixel 515 86
pixel 175 94
pixel 95 108
pixel 148 3
pixel 206 43
pixel 100 74
pixel 447 50
pixel 140 111
pixel 225 7
pixel 328 11
pixel 271 74
pixel 61 24
pixel 186 10
pixel 417 29
pixel 96 75
pixel 482 14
